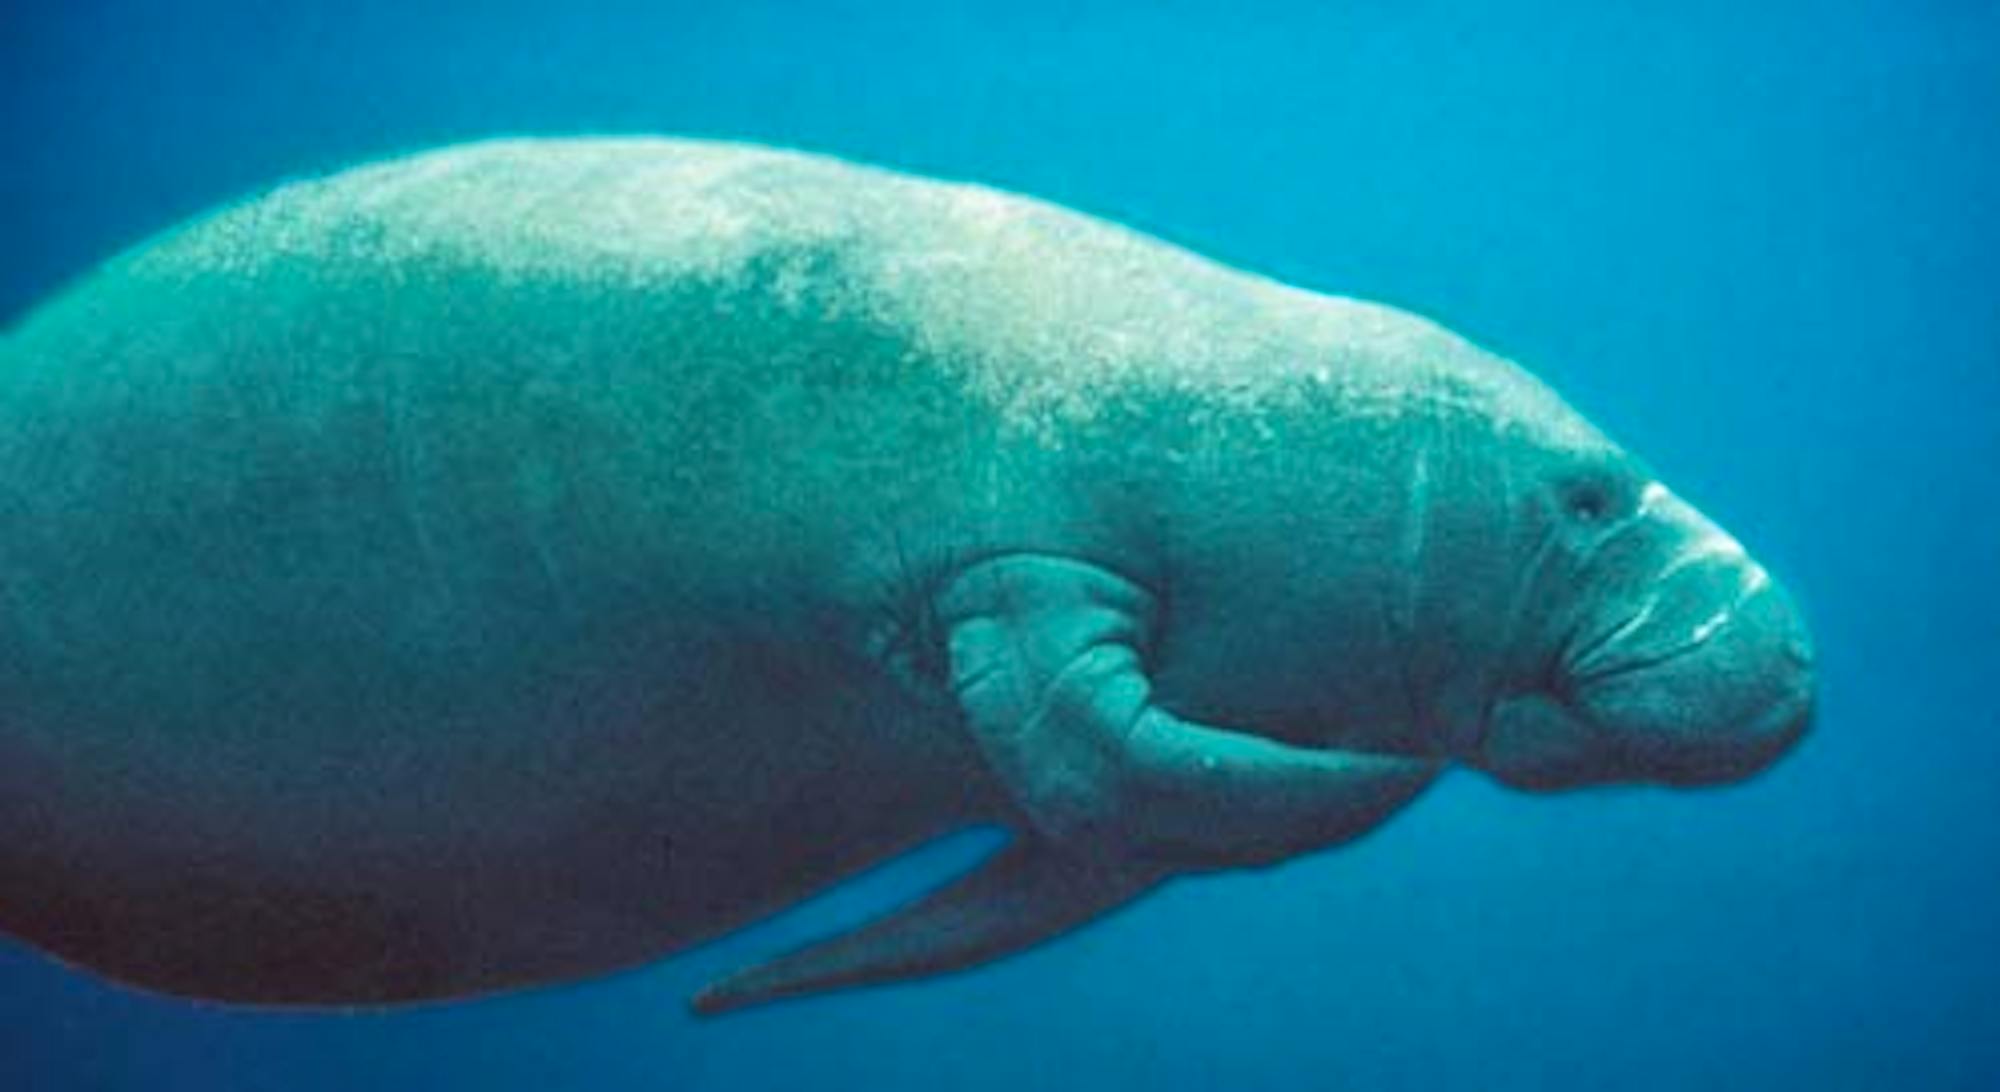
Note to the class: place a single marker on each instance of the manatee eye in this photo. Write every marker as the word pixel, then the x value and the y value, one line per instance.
pixel 1588 503
pixel 1594 498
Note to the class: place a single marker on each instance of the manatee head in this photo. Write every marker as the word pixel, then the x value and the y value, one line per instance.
pixel 1649 646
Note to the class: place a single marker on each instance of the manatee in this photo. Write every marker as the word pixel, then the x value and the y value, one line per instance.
pixel 526 559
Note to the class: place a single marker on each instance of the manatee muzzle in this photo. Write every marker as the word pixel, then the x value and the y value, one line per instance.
pixel 1709 680
pixel 1700 671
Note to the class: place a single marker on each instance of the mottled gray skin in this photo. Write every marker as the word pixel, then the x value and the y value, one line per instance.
pixel 522 560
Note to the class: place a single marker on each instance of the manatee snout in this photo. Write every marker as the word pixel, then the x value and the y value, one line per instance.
pixel 1692 666
pixel 1711 687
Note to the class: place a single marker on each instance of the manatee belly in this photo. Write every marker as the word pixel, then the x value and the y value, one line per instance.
pixel 250 759
pixel 362 828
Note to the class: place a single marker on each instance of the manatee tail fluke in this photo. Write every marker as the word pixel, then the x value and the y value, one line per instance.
pixel 1024 894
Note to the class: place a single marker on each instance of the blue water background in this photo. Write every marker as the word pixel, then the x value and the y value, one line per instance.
pixel 1755 241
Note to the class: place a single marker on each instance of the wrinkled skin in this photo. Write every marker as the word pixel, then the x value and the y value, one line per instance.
pixel 524 560
pixel 1691 668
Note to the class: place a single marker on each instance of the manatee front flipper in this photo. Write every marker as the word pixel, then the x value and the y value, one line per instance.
pixel 1047 664
pixel 1047 658
pixel 1022 895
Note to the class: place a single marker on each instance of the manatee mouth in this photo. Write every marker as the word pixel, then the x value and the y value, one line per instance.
pixel 1706 683
pixel 1760 741
pixel 1692 606
pixel 1688 665
pixel 1701 676
pixel 1599 659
